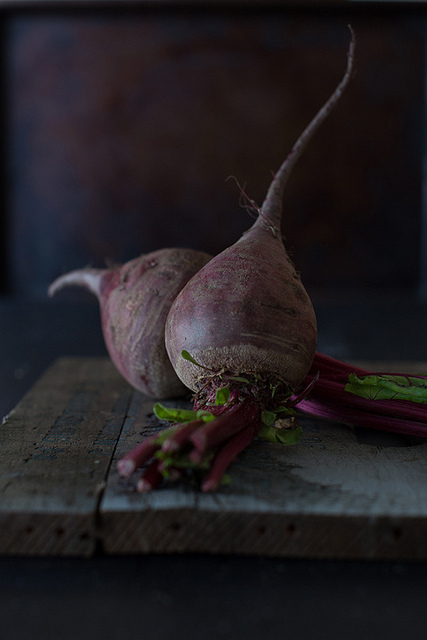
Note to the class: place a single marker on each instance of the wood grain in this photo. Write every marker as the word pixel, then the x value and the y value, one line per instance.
pixel 335 495
pixel 55 452
pixel 328 497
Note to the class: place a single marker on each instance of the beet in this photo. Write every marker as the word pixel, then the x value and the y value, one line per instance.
pixel 247 310
pixel 134 300
pixel 242 335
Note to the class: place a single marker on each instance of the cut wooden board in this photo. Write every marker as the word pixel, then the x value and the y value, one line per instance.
pixel 330 496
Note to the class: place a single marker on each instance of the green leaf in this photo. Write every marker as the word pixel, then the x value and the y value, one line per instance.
pixel 239 379
pixel 189 357
pixel 268 418
pixel 388 387
pixel 222 396
pixel 181 415
pixel 287 436
pixel 204 415
pixel 273 390
pixel 267 433
pixel 173 414
pixel 225 480
pixel 286 411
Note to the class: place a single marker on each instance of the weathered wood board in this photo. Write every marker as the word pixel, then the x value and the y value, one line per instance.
pixel 331 496
pixel 55 453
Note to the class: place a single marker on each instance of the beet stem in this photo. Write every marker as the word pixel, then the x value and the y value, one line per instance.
pixel 151 478
pixel 181 436
pixel 137 457
pixel 359 418
pixel 223 427
pixel 329 399
pixel 145 450
pixel 327 364
pixel 228 453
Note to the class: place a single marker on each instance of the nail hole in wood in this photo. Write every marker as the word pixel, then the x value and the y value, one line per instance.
pixel 397 533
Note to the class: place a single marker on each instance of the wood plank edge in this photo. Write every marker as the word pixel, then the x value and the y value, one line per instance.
pixel 269 534
pixel 43 535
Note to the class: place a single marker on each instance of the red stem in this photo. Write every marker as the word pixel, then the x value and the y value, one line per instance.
pixel 304 393
pixel 151 477
pixel 181 436
pixel 228 453
pixel 337 369
pixel 137 456
pixel 223 427
pixel 334 392
pixel 329 399
pixel 352 416
pixel 327 364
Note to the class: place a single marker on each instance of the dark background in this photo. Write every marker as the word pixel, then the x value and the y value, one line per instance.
pixel 121 129
pixel 125 128
pixel 120 124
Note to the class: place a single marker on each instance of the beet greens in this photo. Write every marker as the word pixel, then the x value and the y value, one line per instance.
pixel 358 397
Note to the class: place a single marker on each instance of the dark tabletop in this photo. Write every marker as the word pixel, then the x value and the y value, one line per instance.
pixel 200 596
